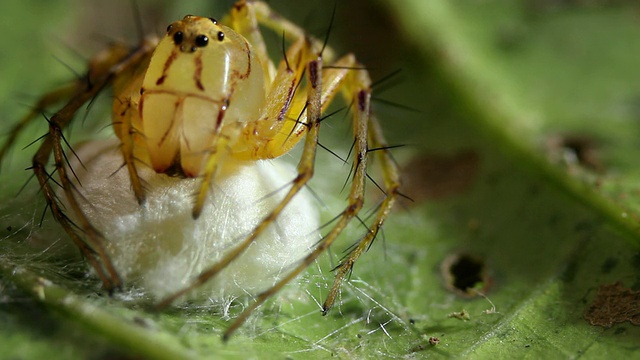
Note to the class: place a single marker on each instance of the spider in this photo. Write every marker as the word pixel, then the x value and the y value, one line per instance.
pixel 207 94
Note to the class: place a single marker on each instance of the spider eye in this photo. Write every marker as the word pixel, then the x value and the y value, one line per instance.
pixel 214 21
pixel 220 36
pixel 202 40
pixel 169 27
pixel 177 37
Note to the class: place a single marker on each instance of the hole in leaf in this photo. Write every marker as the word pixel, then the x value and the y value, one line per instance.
pixel 575 150
pixel 465 274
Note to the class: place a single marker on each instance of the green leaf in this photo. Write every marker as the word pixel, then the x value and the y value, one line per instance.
pixel 508 97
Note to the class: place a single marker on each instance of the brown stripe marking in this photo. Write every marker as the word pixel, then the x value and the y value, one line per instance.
pixel 287 104
pixel 176 109
pixel 313 74
pixel 246 44
pixel 183 94
pixel 167 64
pixel 221 113
pixel 236 73
pixel 197 76
pixel 363 99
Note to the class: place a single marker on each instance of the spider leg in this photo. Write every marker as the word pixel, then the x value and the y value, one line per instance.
pixel 391 178
pixel 128 141
pixel 285 138
pixel 208 172
pixel 274 21
pixel 246 15
pixel 127 123
pixel 43 103
pixel 347 74
pixel 335 79
pixel 97 67
pixel 91 247
pixel 243 20
pixel 359 86
pixel 103 69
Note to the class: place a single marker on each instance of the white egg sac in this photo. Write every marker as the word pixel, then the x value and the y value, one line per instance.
pixel 160 248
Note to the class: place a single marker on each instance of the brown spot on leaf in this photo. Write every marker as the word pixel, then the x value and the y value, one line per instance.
pixel 437 176
pixel 460 315
pixel 614 304
pixel 432 340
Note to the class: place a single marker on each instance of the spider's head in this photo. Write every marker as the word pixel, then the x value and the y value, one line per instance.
pixel 201 77
pixel 195 32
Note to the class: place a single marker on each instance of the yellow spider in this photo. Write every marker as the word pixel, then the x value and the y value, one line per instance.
pixel 207 94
